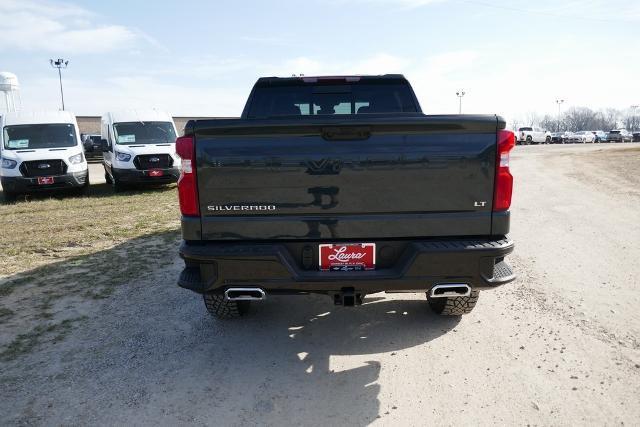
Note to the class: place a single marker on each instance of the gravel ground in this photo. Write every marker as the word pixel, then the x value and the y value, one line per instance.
pixel 559 346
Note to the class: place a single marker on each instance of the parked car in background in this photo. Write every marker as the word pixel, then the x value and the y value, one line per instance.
pixel 91 143
pixel 557 138
pixel 601 136
pixel 582 137
pixel 532 135
pixel 619 135
pixel 636 137
pixel 139 148
pixel 566 137
pixel 41 151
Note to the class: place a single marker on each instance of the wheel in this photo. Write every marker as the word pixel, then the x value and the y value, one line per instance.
pixel 453 306
pixel 547 140
pixel 9 196
pixel 529 140
pixel 117 185
pixel 108 178
pixel 82 191
pixel 221 308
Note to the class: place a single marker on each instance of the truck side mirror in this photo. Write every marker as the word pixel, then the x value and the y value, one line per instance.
pixel 105 145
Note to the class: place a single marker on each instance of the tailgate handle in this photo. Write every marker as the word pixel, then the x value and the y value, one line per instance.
pixel 346 133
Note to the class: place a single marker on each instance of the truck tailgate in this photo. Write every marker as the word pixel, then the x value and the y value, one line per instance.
pixel 418 176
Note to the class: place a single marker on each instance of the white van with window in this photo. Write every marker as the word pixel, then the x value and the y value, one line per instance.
pixel 139 147
pixel 41 151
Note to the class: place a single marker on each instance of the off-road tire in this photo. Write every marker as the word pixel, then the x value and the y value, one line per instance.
pixel 529 140
pixel 455 306
pixel 221 308
pixel 9 197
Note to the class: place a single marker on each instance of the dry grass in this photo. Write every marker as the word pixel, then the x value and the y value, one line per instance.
pixel 61 254
pixel 612 171
pixel 46 230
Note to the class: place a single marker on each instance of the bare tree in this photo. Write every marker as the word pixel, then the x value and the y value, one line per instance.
pixel 549 123
pixel 611 118
pixel 578 118
pixel 582 118
pixel 531 119
pixel 631 119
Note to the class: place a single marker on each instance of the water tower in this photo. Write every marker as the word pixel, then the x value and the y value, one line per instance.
pixel 10 88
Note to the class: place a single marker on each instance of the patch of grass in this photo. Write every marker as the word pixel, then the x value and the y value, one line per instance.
pixel 7 287
pixel 59 252
pixel 96 275
pixel 25 343
pixel 6 313
pixel 48 230
pixel 53 288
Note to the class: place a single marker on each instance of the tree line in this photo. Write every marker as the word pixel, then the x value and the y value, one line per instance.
pixel 583 118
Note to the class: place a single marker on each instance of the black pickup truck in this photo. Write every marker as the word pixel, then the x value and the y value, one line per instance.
pixel 342 186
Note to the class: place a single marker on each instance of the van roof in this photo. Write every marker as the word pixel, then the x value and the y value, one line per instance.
pixel 150 115
pixel 38 117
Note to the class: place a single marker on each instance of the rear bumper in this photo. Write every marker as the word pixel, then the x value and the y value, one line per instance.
pixel 21 184
pixel 214 267
pixel 138 176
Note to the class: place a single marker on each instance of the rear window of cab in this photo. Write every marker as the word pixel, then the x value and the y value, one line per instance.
pixel 306 99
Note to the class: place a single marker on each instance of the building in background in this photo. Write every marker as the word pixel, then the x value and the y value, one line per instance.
pixel 90 125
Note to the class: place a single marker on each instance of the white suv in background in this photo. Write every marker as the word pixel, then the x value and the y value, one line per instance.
pixel 532 135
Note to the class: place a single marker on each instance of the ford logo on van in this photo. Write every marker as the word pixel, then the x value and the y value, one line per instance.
pixel 44 166
pixel 154 159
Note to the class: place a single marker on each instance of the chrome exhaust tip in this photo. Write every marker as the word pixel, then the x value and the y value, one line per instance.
pixel 447 290
pixel 244 294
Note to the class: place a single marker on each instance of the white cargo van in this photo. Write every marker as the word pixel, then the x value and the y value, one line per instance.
pixel 41 151
pixel 139 147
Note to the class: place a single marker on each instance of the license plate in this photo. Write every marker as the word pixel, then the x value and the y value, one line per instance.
pixel 156 172
pixel 45 180
pixel 347 257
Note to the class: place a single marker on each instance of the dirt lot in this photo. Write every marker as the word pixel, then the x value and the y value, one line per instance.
pixel 93 328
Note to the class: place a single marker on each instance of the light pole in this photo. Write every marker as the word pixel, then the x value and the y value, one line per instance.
pixel 460 94
pixel 559 102
pixel 60 64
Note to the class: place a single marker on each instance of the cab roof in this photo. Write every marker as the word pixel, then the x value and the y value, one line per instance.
pixel 150 115
pixel 277 81
pixel 38 117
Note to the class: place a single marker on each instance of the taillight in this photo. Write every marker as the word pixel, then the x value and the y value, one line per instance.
pixel 504 179
pixel 187 183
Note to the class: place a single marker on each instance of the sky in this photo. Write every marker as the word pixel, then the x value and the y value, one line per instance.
pixel 200 58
